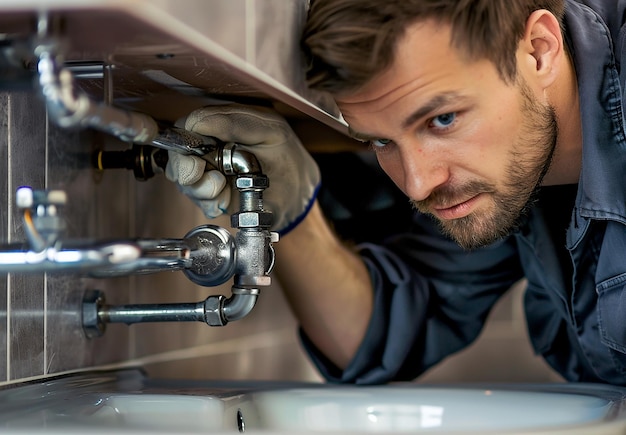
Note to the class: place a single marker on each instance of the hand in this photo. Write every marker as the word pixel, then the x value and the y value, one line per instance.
pixel 293 174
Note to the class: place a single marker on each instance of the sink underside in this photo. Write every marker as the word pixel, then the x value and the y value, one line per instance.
pixel 129 401
pixel 168 57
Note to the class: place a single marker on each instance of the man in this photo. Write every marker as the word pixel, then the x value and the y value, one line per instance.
pixel 503 124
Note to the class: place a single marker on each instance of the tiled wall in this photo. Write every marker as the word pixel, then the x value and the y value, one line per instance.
pixel 41 317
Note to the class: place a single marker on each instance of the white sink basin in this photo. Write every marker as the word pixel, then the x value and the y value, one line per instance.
pixel 402 409
pixel 153 412
pixel 128 402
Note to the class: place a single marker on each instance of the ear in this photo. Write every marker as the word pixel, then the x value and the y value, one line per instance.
pixel 542 48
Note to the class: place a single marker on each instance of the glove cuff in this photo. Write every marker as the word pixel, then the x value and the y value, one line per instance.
pixel 291 225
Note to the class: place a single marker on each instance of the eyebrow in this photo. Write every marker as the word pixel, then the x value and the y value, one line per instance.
pixel 431 106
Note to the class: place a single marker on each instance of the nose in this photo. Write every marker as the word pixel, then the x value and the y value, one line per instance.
pixel 416 171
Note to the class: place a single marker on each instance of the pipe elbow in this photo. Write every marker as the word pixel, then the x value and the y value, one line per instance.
pixel 239 305
pixel 219 310
pixel 236 161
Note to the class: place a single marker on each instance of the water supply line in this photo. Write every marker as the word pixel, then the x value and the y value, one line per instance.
pixel 70 107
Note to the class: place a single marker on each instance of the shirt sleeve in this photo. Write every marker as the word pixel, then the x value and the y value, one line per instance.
pixel 431 299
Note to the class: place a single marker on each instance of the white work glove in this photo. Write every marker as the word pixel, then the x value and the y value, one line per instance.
pixel 293 175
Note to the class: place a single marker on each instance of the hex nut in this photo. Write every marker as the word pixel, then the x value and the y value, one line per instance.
pixel 213 311
pixel 252 182
pixel 252 219
pixel 92 325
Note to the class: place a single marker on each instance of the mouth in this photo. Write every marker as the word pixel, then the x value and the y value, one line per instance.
pixel 458 210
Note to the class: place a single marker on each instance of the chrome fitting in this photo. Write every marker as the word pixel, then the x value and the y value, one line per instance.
pixel 213 310
pixel 252 181
pixel 92 325
pixel 212 254
pixel 252 219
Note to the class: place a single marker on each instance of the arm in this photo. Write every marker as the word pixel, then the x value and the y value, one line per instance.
pixel 429 299
pixel 327 286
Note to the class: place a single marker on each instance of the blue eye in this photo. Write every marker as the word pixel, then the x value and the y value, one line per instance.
pixel 444 121
pixel 380 143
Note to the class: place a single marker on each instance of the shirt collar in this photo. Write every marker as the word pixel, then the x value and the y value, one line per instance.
pixel 602 186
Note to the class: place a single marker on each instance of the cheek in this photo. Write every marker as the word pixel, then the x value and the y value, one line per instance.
pixel 492 144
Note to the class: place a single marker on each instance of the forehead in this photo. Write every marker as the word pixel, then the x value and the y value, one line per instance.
pixel 425 64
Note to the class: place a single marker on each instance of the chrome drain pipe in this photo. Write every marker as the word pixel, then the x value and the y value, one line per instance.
pixel 216 310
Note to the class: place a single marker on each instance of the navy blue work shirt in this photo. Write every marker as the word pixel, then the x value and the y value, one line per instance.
pixel 432 298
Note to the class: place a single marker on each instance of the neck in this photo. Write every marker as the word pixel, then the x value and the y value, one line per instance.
pixel 567 160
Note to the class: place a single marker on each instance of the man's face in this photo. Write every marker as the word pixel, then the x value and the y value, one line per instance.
pixel 465 146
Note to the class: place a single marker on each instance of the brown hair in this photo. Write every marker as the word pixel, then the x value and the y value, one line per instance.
pixel 349 42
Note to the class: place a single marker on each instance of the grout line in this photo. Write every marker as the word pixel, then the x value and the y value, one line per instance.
pixel 45 275
pixel 46 153
pixel 9 225
pixel 45 324
pixel 8 336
